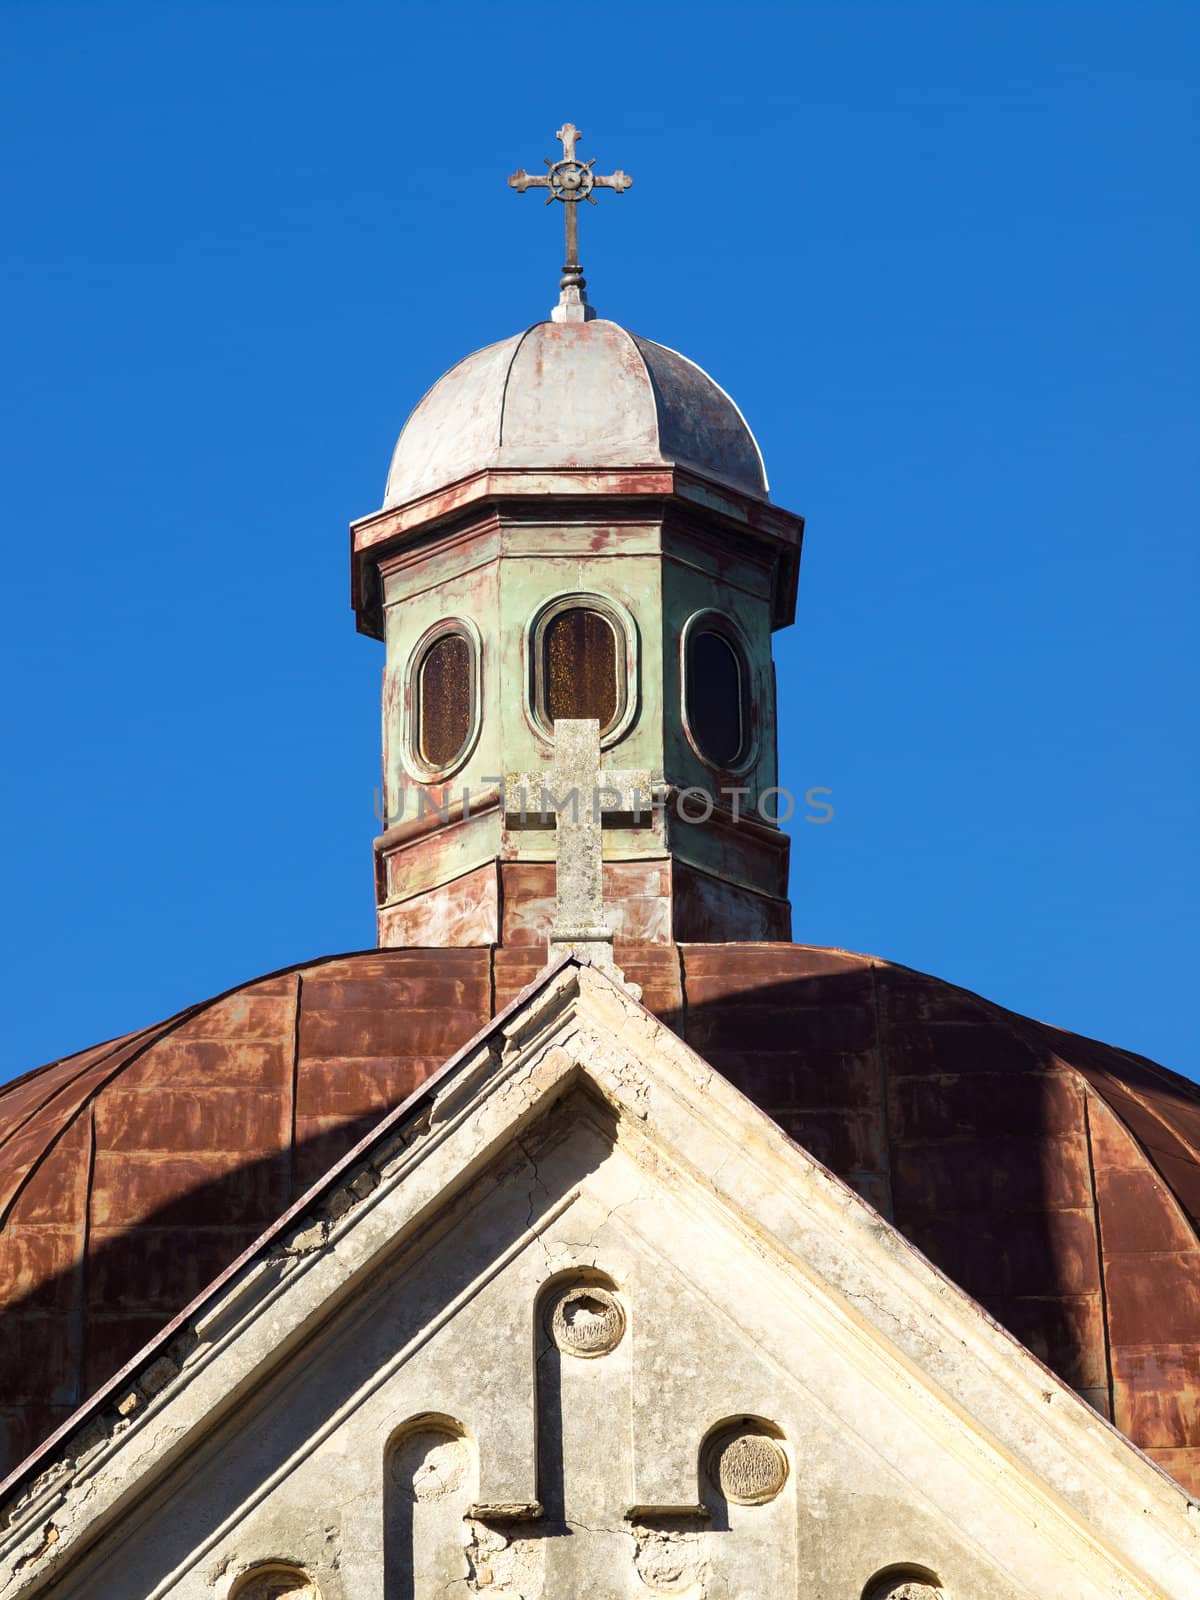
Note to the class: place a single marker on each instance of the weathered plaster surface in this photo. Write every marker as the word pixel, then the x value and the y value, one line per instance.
pixel 393 1400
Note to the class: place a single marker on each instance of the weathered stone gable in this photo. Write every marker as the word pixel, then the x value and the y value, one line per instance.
pixel 586 1321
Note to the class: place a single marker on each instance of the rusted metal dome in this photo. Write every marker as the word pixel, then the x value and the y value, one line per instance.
pixel 584 394
pixel 1055 1179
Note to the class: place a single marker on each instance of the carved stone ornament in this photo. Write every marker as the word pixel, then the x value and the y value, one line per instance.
pixel 587 1320
pixel 746 1465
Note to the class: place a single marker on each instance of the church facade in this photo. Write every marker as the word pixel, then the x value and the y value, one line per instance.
pixel 589 1236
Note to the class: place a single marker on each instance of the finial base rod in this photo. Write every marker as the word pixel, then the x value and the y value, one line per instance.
pixel 568 310
pixel 572 298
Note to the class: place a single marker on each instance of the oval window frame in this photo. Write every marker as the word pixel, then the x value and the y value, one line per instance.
pixel 710 620
pixel 626 657
pixel 414 763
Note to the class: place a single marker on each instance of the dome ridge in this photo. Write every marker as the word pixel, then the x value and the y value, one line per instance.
pixel 640 339
pixel 517 343
pixel 430 398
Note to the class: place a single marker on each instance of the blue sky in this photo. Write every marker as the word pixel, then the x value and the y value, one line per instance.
pixel 944 255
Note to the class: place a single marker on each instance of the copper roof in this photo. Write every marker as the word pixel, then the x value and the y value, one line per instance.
pixel 1053 1178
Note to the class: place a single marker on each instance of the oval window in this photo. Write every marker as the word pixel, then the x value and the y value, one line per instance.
pixel 715 696
pixel 580 667
pixel 445 695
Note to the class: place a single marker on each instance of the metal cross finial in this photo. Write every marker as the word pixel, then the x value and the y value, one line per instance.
pixel 571 180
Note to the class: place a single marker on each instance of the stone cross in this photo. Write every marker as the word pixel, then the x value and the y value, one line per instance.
pixel 578 793
pixel 571 180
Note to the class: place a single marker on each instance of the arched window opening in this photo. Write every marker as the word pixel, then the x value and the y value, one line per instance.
pixel 276 1583
pixel 430 1481
pixel 581 667
pixel 904 1583
pixel 444 709
pixel 716 696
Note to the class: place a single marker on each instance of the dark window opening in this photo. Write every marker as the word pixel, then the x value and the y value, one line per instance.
pixel 579 663
pixel 715 697
pixel 444 696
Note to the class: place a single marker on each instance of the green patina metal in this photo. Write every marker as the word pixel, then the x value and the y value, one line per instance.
pixel 658 549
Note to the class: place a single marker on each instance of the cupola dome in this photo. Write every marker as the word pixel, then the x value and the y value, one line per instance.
pixel 562 394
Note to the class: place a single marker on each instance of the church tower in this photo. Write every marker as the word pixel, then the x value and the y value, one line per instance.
pixel 576 525
pixel 588 1236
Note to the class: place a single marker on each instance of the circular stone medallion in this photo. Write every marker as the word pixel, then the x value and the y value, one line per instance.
pixel 587 1321
pixel 747 1466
